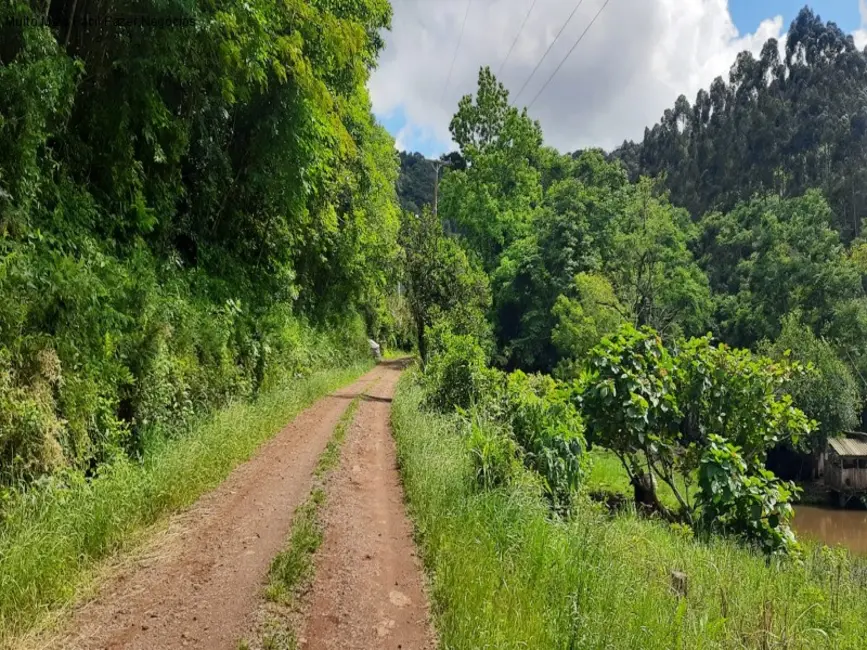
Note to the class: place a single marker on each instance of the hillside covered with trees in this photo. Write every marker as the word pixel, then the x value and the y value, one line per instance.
pixel 730 218
pixel 741 318
pixel 791 120
pixel 188 214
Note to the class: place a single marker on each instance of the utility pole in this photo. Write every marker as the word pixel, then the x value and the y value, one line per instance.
pixel 437 165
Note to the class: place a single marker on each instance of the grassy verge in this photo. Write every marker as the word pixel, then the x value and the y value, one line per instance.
pixel 391 355
pixel 506 575
pixel 50 540
pixel 291 571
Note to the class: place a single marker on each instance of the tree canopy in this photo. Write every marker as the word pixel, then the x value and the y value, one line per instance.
pixel 181 198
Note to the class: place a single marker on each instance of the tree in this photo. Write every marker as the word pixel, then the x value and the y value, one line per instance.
pixel 181 208
pixel 704 406
pixel 492 200
pixel 828 392
pixel 415 187
pixel 771 256
pixel 440 280
pixel 775 126
pixel 627 394
pixel 652 267
pixel 572 234
pixel 583 321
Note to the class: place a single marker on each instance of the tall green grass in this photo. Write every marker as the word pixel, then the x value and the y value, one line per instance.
pixel 506 575
pixel 50 538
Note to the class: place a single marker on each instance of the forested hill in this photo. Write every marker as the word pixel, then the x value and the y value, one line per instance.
pixel 415 187
pixel 791 120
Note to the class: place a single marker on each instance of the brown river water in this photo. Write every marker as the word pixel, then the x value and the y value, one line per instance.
pixel 832 526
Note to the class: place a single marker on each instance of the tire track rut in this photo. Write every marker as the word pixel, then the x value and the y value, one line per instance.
pixel 196 586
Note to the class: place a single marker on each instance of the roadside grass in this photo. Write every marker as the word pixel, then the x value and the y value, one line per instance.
pixel 52 539
pixel 392 355
pixel 293 567
pixel 505 574
pixel 291 571
pixel 331 456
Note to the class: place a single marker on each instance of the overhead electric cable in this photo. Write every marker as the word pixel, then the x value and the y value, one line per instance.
pixel 517 36
pixel 568 54
pixel 457 48
pixel 532 74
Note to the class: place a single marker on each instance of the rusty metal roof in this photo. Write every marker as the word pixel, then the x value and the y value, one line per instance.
pixel 849 446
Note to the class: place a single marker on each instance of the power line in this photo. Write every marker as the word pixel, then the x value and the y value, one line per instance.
pixel 517 36
pixel 568 54
pixel 457 48
pixel 532 74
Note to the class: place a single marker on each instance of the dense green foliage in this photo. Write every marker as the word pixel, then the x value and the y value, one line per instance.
pixel 754 217
pixel 415 187
pixel 577 245
pixel 578 255
pixel 442 283
pixel 183 212
pixel 827 391
pixel 701 409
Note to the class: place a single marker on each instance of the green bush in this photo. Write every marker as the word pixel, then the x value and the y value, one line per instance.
pixel 456 374
pixel 549 429
pixel 828 392
pixel 101 356
pixel 706 409
pixel 750 502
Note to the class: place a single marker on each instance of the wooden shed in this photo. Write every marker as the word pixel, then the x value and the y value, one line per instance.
pixel 846 465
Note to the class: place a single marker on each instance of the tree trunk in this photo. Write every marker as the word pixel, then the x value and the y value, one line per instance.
pixel 422 344
pixel 646 500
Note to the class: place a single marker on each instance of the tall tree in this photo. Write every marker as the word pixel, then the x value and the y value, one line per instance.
pixel 440 280
pixel 492 200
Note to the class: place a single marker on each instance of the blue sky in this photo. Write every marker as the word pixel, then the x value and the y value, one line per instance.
pixel 747 14
pixel 663 48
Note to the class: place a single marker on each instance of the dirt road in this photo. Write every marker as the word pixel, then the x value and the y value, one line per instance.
pixel 368 592
pixel 198 585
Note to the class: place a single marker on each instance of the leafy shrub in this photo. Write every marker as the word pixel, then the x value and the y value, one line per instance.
pixel 705 409
pixel 100 357
pixel 738 396
pixel 743 498
pixel 29 429
pixel 456 374
pixel 549 429
pixel 627 395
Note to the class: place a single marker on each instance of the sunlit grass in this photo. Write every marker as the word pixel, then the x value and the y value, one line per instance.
pixel 504 574
pixel 50 540
pixel 331 456
pixel 608 475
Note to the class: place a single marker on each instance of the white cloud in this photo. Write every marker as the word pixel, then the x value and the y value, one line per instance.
pixel 632 64
pixel 860 35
